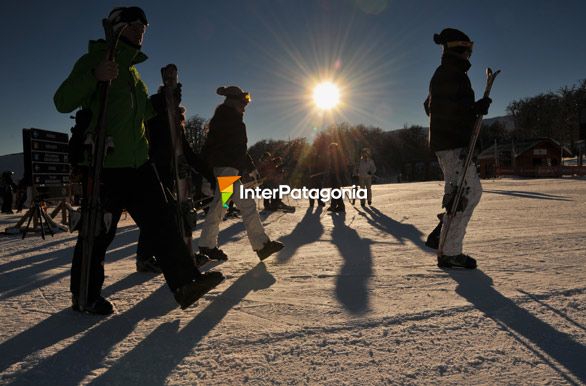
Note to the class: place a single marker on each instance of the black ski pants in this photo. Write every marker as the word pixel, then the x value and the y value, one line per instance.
pixel 139 192
pixel 145 249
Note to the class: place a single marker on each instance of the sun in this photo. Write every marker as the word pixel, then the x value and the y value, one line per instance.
pixel 326 95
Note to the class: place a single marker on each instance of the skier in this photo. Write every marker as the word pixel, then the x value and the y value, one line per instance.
pixel 128 181
pixel 8 188
pixel 315 176
pixel 336 176
pixel 365 170
pixel 160 155
pixel 271 170
pixel 225 150
pixel 453 112
pixel 267 170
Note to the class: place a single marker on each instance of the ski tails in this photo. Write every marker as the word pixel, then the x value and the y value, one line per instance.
pixel 451 209
pixel 92 216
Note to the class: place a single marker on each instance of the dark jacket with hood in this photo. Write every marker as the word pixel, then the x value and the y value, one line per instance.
pixel 226 143
pixel 450 105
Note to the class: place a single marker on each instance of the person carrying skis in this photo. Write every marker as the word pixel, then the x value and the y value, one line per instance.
pixel 127 180
pixel 365 170
pixel 453 111
pixel 161 155
pixel 225 150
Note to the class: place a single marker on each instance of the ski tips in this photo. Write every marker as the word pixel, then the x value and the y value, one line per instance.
pixel 169 73
pixel 491 74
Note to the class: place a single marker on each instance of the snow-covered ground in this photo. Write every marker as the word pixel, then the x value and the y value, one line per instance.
pixel 354 299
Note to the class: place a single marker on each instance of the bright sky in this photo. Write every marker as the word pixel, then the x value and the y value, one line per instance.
pixel 379 52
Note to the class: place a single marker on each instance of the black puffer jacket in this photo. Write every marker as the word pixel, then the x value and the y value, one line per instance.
pixel 161 152
pixel 226 144
pixel 450 105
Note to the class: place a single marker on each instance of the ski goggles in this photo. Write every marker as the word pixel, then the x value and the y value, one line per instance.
pixel 128 15
pixel 244 97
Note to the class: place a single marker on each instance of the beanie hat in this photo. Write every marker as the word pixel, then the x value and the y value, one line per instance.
pixel 121 16
pixel 452 38
pixel 234 92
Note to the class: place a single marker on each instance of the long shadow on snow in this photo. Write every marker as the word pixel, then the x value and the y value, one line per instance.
pixel 476 287
pixel 60 326
pixel 521 194
pixel 38 258
pixel 86 354
pixel 354 276
pixel 397 229
pixel 28 278
pixel 151 361
pixel 307 231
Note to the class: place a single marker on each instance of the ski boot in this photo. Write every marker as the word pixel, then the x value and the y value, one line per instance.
pixel 189 293
pixel 434 237
pixel 200 259
pixel 269 248
pixel 214 253
pixel 150 265
pixel 457 261
pixel 101 306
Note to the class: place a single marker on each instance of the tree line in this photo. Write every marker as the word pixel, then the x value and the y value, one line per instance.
pixel 403 154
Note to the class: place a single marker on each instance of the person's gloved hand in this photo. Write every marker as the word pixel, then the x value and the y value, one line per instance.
pixel 106 70
pixel 481 106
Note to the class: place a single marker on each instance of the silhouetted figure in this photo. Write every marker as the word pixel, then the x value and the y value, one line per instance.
pixel 128 181
pixel 336 175
pixel 226 151
pixel 453 112
pixel 8 188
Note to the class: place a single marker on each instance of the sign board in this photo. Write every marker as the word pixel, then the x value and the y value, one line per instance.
pixel 539 151
pixel 46 158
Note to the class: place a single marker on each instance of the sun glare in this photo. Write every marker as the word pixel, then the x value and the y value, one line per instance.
pixel 326 95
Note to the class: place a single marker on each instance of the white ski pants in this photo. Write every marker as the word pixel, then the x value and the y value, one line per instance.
pixel 452 164
pixel 211 227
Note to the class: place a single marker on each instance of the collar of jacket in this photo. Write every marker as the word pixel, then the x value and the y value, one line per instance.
pixel 125 53
pixel 231 106
pixel 452 60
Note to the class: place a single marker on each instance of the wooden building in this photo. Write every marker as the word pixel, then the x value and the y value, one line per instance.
pixel 534 158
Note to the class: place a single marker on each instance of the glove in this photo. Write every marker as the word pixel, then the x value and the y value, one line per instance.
pixel 481 106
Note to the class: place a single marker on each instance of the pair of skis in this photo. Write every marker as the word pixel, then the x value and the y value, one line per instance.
pixel 92 213
pixel 452 209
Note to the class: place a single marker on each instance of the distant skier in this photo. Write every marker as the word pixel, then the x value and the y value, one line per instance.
pixel 453 112
pixel 365 170
pixel 272 172
pixel 161 156
pixel 315 176
pixel 226 151
pixel 128 181
pixel 336 176
pixel 8 188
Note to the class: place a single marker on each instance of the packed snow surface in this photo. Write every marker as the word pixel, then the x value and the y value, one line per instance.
pixel 352 299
